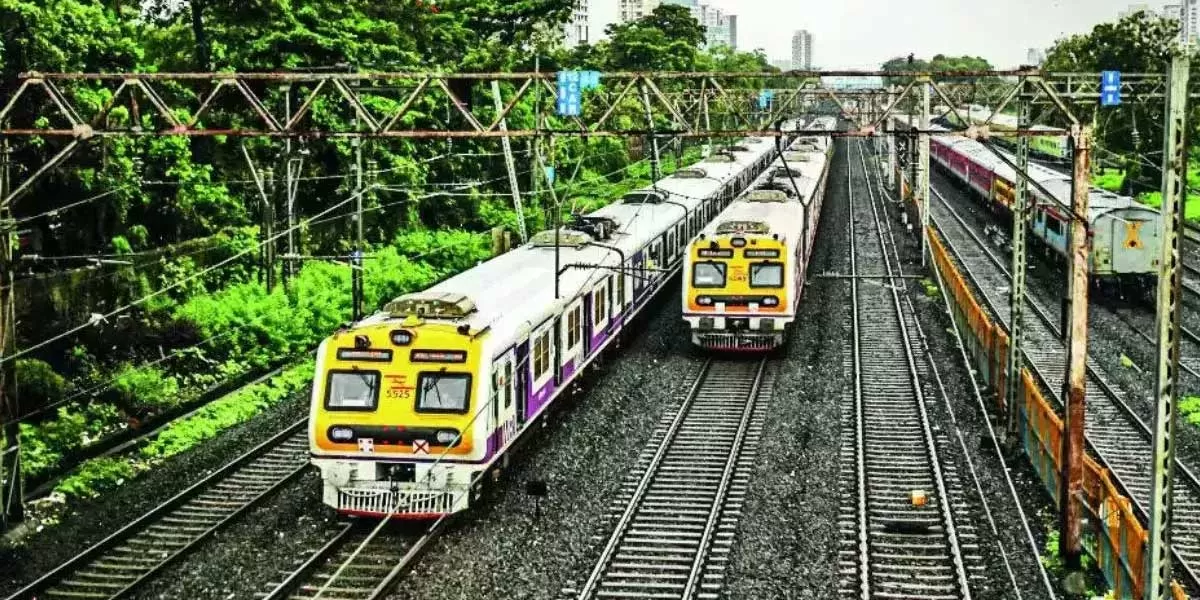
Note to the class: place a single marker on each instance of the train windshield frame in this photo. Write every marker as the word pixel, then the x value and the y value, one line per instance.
pixel 709 274
pixel 771 270
pixel 442 392
pixel 363 385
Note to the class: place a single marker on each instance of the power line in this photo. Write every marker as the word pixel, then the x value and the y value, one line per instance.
pixel 121 309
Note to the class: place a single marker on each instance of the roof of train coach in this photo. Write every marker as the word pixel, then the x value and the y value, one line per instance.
pixel 515 291
pixel 1100 202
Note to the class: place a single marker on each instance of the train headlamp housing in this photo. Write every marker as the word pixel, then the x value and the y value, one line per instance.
pixel 704 300
pixel 341 434
pixel 770 301
pixel 446 436
pixel 738 242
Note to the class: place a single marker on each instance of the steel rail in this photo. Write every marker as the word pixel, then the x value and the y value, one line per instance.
pixel 662 540
pixel 1123 474
pixel 893 568
pixel 198 523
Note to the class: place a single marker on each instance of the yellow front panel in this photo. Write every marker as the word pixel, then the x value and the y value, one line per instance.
pixel 720 249
pixel 395 418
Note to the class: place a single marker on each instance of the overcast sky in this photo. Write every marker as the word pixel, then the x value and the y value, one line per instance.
pixel 862 34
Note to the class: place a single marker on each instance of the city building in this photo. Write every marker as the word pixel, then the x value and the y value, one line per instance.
pixel 1187 13
pixel 721 28
pixel 1133 8
pixel 589 20
pixel 802 50
pixel 632 10
pixel 733 23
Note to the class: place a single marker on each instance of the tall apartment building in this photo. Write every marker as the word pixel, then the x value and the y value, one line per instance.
pixel 588 21
pixel 802 50
pixel 632 10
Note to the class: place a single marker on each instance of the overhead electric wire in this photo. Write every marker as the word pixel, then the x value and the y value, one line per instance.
pixel 121 309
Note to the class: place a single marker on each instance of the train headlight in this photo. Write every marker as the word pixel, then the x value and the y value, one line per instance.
pixel 704 301
pixel 770 301
pixel 341 434
pixel 446 436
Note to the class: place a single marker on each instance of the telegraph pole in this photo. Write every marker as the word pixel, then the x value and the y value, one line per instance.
pixel 12 507
pixel 891 141
pixel 1016 293
pixel 1071 535
pixel 356 263
pixel 1175 162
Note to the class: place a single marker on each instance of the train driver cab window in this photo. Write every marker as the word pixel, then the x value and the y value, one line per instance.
pixel 352 390
pixel 766 275
pixel 708 275
pixel 443 392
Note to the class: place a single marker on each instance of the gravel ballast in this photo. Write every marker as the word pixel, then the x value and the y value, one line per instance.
pixel 90 521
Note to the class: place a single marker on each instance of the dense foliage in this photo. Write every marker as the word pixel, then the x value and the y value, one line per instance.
pixel 185 214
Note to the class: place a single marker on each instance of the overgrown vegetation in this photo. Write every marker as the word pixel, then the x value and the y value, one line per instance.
pixel 169 210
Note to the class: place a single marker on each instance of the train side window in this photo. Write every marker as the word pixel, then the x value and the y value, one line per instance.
pixel 620 303
pixel 508 383
pixel 600 306
pixel 574 327
pixel 1054 226
pixel 541 355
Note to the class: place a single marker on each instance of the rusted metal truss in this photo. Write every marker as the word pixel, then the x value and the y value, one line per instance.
pixel 78 107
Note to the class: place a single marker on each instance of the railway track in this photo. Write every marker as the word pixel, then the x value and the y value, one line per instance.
pixel 356 564
pixel 125 560
pixel 1115 433
pixel 900 539
pixel 676 520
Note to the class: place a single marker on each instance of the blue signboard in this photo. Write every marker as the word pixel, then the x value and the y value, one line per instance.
pixel 765 98
pixel 549 174
pixel 589 80
pixel 570 96
pixel 1110 88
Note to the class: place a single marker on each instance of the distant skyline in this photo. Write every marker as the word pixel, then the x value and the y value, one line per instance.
pixel 862 34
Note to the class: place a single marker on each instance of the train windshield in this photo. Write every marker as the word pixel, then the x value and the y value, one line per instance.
pixel 766 275
pixel 708 275
pixel 443 392
pixel 352 390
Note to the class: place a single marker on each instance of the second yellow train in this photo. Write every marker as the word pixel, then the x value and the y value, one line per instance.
pixel 744 273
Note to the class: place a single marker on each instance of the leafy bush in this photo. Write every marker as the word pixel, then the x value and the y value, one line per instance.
pixel 144 387
pixel 37 383
pixel 44 445
pixel 97 475
pixel 231 410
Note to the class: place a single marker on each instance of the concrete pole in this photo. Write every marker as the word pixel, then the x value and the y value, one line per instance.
pixel 1175 162
pixel 1071 538
pixel 656 168
pixel 1016 295
pixel 510 164
pixel 922 184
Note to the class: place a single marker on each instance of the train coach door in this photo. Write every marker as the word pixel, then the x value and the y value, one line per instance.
pixel 504 397
pixel 521 380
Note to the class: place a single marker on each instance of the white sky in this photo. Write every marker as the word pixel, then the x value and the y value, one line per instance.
pixel 862 34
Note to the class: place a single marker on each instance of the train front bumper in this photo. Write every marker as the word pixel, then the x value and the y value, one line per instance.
pixel 739 334
pixel 403 490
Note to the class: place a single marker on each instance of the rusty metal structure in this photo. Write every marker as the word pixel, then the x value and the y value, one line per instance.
pixel 400 105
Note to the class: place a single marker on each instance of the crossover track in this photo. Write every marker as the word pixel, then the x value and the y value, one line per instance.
pixel 894 545
pixel 677 520
pixel 128 558
pixel 356 564
pixel 1114 431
